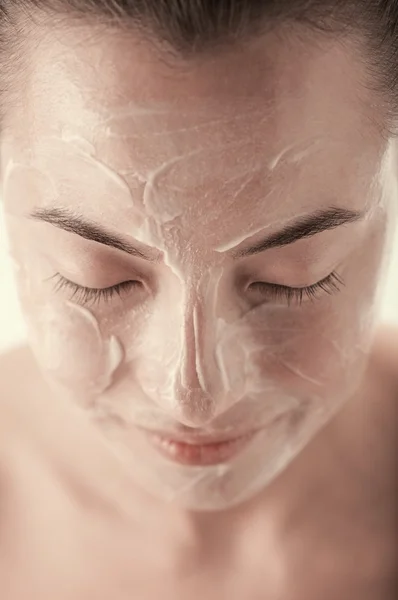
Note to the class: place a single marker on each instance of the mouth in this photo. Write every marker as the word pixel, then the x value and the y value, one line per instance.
pixel 197 451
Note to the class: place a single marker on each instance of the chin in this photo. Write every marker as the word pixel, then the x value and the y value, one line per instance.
pixel 229 484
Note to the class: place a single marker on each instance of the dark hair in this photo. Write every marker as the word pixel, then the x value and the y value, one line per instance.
pixel 190 27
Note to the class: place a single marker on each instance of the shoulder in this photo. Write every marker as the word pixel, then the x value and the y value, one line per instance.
pixel 380 389
pixel 18 382
pixel 376 413
pixel 386 341
pixel 16 367
pixel 384 359
pixel 367 426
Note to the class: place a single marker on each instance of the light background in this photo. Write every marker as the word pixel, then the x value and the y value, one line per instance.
pixel 12 330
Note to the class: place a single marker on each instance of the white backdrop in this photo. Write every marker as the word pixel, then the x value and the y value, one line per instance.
pixel 11 323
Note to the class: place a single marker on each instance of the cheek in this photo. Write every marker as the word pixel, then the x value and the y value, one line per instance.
pixel 318 355
pixel 71 349
pixel 315 352
pixel 319 350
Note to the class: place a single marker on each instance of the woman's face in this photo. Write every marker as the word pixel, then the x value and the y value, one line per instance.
pixel 198 246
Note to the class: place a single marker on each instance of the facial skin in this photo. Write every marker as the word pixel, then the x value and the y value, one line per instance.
pixel 192 163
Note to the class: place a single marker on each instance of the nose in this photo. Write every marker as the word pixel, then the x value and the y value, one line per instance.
pixel 180 367
pixel 197 391
pixel 199 387
pixel 192 371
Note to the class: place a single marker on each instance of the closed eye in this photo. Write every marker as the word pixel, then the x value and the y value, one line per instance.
pixel 297 295
pixel 86 295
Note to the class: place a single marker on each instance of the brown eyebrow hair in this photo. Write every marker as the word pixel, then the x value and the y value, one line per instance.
pixel 67 220
pixel 302 228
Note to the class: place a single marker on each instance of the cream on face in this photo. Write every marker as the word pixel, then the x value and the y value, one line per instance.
pixel 191 168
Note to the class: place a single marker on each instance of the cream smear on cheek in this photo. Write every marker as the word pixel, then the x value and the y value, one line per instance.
pixel 69 344
pixel 184 357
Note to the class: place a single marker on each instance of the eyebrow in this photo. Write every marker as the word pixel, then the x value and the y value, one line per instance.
pixel 69 221
pixel 304 227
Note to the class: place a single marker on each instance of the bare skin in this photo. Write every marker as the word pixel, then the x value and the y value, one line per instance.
pixel 324 529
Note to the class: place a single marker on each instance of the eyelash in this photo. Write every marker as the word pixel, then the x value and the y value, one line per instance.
pixel 85 295
pixel 329 285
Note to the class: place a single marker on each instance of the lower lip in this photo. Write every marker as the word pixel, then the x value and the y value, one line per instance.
pixel 198 454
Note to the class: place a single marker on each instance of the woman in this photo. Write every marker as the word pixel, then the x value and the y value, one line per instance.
pixel 200 198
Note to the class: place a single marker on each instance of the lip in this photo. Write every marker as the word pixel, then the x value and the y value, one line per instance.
pixel 197 451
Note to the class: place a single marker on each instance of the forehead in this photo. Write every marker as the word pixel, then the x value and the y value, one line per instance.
pixel 275 121
pixel 274 73
pixel 286 83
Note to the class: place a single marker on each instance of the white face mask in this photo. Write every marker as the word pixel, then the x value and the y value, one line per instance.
pixel 189 334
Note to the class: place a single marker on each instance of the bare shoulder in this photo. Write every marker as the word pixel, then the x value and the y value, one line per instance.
pixel 376 415
pixel 19 381
pixel 384 359
pixel 367 426
pixel 17 368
